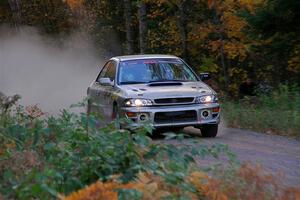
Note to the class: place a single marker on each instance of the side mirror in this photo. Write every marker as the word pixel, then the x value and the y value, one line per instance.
pixel 204 76
pixel 106 81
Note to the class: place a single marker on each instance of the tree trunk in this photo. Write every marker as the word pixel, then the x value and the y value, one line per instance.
pixel 142 26
pixel 223 63
pixel 15 6
pixel 182 25
pixel 222 54
pixel 128 21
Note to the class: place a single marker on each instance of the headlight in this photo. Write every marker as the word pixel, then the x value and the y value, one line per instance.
pixel 206 99
pixel 138 102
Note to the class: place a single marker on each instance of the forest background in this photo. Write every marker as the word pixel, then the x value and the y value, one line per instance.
pixel 233 40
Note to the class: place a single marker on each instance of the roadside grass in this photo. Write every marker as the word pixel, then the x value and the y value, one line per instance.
pixel 277 113
pixel 70 157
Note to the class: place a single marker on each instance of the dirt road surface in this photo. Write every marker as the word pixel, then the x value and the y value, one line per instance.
pixel 276 154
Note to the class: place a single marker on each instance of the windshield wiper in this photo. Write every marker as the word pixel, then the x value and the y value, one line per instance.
pixel 131 82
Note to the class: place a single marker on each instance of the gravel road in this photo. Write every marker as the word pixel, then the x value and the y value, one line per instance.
pixel 276 154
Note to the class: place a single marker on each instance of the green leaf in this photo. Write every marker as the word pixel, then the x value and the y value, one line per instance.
pixel 49 190
pixel 132 194
pixel 169 135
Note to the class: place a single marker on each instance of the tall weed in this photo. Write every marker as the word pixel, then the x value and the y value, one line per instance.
pixel 278 113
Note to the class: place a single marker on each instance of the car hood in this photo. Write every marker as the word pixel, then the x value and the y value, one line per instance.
pixel 183 89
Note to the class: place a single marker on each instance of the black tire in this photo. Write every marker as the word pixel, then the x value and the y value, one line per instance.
pixel 209 130
pixel 177 129
pixel 116 117
pixel 156 133
pixel 88 108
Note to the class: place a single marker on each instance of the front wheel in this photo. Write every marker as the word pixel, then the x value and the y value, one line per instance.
pixel 116 117
pixel 209 130
pixel 88 108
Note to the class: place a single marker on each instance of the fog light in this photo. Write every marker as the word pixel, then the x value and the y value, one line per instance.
pixel 143 117
pixel 205 114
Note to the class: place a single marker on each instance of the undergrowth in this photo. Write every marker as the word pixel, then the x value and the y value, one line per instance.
pixel 245 183
pixel 46 157
pixel 276 113
pixel 43 156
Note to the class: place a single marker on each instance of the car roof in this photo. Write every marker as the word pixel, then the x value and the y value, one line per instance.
pixel 144 56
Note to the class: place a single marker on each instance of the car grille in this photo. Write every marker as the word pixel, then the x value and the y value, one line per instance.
pixel 174 100
pixel 175 117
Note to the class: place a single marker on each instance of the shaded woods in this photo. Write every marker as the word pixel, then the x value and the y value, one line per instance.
pixel 51 157
pixel 234 40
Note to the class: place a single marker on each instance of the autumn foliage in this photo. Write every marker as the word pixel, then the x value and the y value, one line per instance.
pixel 234 40
pixel 247 183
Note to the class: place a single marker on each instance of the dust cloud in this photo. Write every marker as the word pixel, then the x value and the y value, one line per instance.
pixel 46 72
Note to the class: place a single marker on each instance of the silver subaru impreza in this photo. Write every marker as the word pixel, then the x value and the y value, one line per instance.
pixel 159 89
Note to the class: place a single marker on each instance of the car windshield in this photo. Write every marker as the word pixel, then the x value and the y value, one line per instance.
pixel 154 70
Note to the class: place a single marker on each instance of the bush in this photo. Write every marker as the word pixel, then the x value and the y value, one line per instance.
pixel 246 182
pixel 52 157
pixel 42 156
pixel 277 113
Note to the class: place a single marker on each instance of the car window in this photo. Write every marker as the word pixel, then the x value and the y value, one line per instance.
pixel 111 71
pixel 108 71
pixel 103 71
pixel 148 70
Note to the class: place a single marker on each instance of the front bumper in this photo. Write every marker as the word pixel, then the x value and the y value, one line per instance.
pixel 175 120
